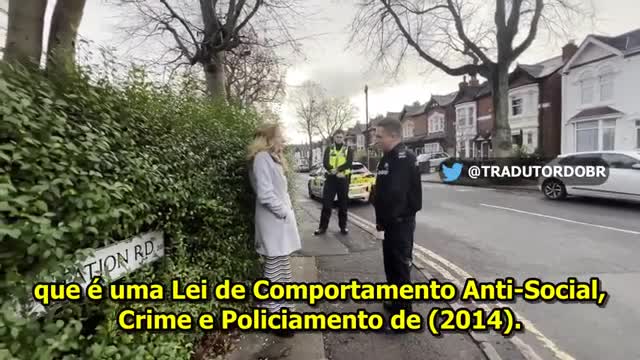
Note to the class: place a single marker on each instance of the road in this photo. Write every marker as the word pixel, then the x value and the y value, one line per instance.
pixel 489 234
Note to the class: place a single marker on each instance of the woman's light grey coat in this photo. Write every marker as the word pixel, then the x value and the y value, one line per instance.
pixel 276 232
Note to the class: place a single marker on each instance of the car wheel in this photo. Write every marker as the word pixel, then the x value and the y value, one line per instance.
pixel 310 192
pixel 554 189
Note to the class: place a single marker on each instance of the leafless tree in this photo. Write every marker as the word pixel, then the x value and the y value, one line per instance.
pixel 463 37
pixel 309 106
pixel 336 114
pixel 255 74
pixel 205 32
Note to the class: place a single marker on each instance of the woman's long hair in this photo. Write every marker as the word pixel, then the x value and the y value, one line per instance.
pixel 263 141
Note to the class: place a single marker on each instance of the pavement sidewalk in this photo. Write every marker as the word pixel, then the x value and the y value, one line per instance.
pixel 339 258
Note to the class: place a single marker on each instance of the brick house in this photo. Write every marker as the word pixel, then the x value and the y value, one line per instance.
pixel 466 117
pixel 485 123
pixel 535 104
pixel 414 127
pixel 355 137
pixel 535 109
pixel 440 120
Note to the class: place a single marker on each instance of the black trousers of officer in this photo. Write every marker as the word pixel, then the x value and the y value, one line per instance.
pixel 397 252
pixel 334 185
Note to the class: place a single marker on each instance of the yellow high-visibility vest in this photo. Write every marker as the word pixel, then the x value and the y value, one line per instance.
pixel 339 157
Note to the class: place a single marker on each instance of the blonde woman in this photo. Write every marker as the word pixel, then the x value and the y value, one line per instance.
pixel 276 231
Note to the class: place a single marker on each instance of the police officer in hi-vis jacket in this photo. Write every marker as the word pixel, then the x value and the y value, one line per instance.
pixel 337 161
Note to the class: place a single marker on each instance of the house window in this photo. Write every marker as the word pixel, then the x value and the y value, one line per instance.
pixel 587 136
pixel 462 117
pixel 407 129
pixel 436 124
pixel 586 88
pixel 530 138
pixel 606 83
pixel 516 140
pixel 595 135
pixel 516 106
pixel 608 134
pixel 431 148
pixel 470 116
pixel 463 150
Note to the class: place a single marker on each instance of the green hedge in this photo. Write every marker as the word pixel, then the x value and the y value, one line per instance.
pixel 84 164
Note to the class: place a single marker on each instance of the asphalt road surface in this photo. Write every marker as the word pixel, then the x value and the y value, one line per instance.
pixel 490 234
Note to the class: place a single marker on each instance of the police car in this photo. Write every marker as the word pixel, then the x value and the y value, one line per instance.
pixel 362 182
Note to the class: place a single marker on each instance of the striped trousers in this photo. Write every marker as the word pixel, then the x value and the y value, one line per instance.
pixel 277 269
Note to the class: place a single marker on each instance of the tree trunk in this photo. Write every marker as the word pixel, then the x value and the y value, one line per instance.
pixel 64 32
pixel 501 141
pixel 310 150
pixel 215 75
pixel 24 33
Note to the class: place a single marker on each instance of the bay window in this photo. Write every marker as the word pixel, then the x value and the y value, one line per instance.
pixel 595 135
pixel 465 115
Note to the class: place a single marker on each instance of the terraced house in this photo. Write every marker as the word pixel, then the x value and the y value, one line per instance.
pixel 535 108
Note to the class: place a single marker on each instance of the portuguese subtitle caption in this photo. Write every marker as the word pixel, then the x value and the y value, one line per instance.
pixel 438 320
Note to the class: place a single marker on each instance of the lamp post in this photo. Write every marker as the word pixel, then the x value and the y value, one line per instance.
pixel 366 109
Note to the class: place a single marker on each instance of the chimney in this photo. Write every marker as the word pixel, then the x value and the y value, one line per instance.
pixel 568 51
pixel 474 81
pixel 463 84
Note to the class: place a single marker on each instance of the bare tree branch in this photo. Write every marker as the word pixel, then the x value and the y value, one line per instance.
pixel 455 13
pixel 465 69
pixel 532 32
pixel 204 32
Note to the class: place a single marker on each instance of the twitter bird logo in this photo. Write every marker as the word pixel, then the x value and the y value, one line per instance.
pixel 451 173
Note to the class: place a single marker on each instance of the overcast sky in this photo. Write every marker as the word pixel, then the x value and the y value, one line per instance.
pixel 343 70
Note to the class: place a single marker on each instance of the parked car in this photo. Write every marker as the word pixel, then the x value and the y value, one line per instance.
pixel 360 186
pixel 623 182
pixel 426 162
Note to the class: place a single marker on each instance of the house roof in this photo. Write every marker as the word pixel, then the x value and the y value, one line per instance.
pixel 373 122
pixel 444 100
pixel 627 42
pixel 467 93
pixel 485 89
pixel 393 115
pixel 410 110
pixel 596 111
pixel 544 68
pixel 356 129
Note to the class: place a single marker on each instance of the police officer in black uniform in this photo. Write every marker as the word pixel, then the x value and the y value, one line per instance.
pixel 398 197
pixel 338 160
